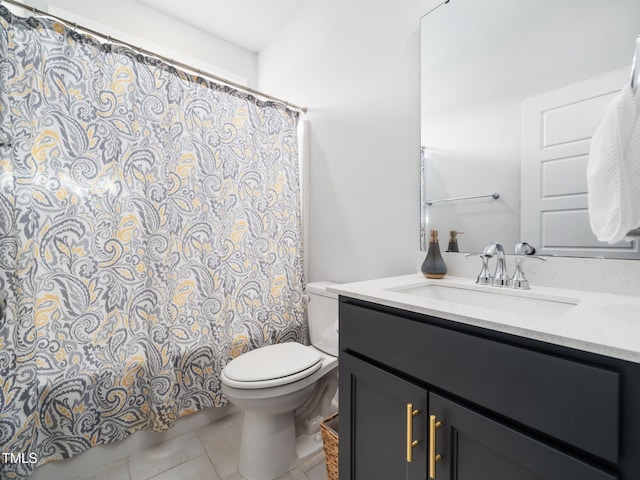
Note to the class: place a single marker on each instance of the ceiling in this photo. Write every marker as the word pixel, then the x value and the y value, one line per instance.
pixel 249 24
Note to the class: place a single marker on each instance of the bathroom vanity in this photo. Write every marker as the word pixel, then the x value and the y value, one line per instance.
pixel 431 387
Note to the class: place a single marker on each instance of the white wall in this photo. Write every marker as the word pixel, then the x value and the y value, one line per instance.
pixel 356 65
pixel 160 33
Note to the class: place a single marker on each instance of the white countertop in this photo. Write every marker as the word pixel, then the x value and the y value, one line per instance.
pixel 601 323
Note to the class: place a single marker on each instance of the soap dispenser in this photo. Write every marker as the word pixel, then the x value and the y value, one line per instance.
pixel 433 265
pixel 453 241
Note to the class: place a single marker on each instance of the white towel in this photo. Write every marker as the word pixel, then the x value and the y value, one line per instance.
pixel 613 171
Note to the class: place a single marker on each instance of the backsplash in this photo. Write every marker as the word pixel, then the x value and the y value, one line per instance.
pixel 591 274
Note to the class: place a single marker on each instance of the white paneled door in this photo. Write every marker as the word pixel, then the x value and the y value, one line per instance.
pixel 556 133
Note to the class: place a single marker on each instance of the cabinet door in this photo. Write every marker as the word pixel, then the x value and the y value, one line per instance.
pixel 474 447
pixel 376 424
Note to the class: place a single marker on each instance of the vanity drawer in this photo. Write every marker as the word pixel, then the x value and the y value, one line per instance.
pixel 571 401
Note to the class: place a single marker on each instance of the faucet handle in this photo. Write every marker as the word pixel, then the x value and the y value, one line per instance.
pixel 484 277
pixel 519 281
pixel 523 248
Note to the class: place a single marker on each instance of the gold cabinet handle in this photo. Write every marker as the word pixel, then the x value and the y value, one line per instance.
pixel 433 457
pixel 411 443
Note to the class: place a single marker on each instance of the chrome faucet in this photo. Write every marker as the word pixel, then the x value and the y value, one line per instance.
pixel 501 276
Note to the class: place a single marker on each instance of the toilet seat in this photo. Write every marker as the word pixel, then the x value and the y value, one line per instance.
pixel 272 366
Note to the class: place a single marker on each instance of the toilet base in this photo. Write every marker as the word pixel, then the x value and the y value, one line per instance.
pixel 259 460
pixel 260 432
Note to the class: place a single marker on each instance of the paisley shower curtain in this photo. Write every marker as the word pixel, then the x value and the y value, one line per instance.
pixel 149 232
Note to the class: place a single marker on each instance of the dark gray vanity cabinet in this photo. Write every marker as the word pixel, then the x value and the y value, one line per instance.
pixel 486 405
pixel 478 448
pixel 378 404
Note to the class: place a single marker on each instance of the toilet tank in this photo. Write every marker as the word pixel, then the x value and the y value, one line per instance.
pixel 323 317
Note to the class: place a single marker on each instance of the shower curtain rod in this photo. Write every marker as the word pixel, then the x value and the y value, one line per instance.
pixel 167 60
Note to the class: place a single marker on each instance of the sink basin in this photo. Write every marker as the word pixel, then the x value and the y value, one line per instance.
pixel 494 298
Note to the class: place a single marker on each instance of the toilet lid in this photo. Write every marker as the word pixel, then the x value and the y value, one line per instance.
pixel 286 362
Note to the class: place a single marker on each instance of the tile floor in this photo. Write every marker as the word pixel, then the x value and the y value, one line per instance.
pixel 209 453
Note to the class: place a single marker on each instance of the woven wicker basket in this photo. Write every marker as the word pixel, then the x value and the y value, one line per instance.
pixel 329 429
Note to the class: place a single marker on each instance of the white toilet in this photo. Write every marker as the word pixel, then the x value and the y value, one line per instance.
pixel 285 391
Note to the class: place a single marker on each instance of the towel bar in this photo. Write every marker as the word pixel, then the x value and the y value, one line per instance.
pixel 495 196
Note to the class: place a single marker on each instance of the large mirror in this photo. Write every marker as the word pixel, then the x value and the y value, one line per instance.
pixel 512 91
